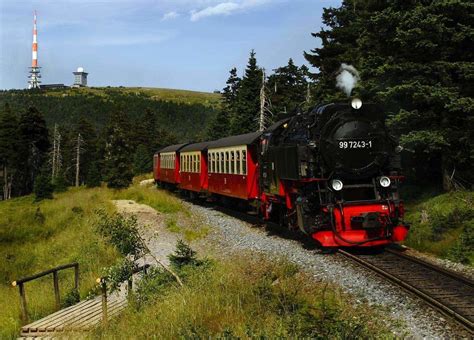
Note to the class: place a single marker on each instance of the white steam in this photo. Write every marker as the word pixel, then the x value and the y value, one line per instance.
pixel 347 78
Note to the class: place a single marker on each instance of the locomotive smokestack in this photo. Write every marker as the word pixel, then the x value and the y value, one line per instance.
pixel 347 78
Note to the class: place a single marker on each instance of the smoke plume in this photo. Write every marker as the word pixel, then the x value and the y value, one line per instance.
pixel 347 78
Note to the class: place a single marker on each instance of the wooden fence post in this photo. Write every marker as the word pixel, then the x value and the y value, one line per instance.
pixel 24 313
pixel 76 277
pixel 56 290
pixel 104 302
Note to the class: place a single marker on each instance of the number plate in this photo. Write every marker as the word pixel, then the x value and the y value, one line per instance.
pixel 355 144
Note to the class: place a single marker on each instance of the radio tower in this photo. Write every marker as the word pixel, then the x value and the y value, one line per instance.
pixel 34 77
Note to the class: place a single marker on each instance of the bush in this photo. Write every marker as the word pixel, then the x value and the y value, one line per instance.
pixel 93 178
pixel 463 250
pixel 72 297
pixel 43 188
pixel 183 256
pixel 442 225
pixel 60 184
pixel 121 232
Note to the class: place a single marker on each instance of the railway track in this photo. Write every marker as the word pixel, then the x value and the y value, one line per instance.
pixel 448 292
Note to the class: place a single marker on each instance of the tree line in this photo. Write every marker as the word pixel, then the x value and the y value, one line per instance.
pixel 414 57
pixel 35 158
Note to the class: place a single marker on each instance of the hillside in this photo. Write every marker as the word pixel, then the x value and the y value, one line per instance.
pixel 176 110
pixel 443 225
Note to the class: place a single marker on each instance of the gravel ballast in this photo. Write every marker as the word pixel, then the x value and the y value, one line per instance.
pixel 409 317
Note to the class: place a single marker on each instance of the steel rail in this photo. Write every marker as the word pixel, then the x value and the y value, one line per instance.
pixel 432 300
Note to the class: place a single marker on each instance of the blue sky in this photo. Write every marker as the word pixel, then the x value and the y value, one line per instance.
pixel 186 44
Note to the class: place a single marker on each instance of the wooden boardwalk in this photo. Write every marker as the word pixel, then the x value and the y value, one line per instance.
pixel 81 317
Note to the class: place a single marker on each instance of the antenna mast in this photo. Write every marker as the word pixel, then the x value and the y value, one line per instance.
pixel 34 77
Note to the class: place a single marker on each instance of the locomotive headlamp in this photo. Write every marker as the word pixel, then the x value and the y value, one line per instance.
pixel 336 185
pixel 385 181
pixel 356 103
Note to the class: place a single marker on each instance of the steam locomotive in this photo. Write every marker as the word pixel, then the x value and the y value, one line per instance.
pixel 332 173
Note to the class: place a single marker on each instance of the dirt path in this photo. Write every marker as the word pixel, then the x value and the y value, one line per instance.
pixel 152 224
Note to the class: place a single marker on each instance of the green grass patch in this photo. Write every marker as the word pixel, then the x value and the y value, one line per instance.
pixel 38 236
pixel 246 297
pixel 159 200
pixel 172 225
pixel 171 95
pixel 443 225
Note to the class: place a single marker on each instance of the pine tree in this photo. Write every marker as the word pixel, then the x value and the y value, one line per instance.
pixel 423 70
pixel 89 147
pixel 415 59
pixel 245 118
pixel 221 124
pixel 118 158
pixel 93 178
pixel 8 149
pixel 142 160
pixel 43 186
pixel 33 148
pixel 344 26
pixel 288 89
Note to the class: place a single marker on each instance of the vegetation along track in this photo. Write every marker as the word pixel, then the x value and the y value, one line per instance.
pixel 448 292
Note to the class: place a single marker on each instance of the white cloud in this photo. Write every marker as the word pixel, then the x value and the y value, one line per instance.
pixel 170 15
pixel 226 8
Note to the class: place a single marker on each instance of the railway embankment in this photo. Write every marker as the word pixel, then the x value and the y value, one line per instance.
pixel 443 227
pixel 232 236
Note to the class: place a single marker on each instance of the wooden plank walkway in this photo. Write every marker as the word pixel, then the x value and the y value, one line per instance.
pixel 81 317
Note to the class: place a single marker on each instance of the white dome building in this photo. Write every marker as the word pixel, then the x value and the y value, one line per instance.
pixel 80 77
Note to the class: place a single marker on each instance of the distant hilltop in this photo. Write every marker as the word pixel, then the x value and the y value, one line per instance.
pixel 208 99
pixel 184 113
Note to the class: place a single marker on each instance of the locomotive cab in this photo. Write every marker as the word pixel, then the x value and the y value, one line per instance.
pixel 334 173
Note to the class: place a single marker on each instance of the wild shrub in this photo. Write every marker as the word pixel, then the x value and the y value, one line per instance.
pixel 122 232
pixel 184 256
pixel 463 249
pixel 43 188
pixel 60 183
pixel 455 218
pixel 151 284
pixel 72 297
pixel 118 273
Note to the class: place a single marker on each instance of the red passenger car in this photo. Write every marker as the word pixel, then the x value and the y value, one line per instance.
pixel 232 166
pixel 167 164
pixel 193 167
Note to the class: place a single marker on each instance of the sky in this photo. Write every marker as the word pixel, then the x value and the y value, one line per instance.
pixel 183 44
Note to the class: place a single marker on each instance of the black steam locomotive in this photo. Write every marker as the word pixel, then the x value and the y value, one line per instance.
pixel 334 173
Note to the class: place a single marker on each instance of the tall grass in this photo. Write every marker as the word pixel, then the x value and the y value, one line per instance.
pixel 160 200
pixel 38 236
pixel 247 297
pixel 443 225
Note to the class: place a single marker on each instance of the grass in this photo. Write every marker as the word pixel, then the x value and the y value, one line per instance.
pixel 246 297
pixel 38 236
pixel 190 231
pixel 160 200
pixel 443 225
pixel 171 95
